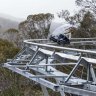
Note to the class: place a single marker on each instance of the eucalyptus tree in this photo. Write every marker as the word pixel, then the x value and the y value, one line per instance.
pixel 88 23
pixel 36 26
pixel 87 4
pixel 85 18
pixel 12 35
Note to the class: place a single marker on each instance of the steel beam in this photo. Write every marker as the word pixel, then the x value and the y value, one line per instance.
pixel 78 91
pixel 39 66
pixel 57 47
pixel 74 69
pixel 28 75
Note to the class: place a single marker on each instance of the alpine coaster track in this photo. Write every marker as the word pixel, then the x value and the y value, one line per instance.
pixel 39 60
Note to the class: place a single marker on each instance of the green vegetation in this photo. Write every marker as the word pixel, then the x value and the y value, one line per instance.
pixel 87 27
pixel 7 50
pixel 12 84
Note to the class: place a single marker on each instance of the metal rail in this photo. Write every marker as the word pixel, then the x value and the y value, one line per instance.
pixel 31 42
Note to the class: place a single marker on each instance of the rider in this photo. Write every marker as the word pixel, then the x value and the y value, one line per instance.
pixel 60 39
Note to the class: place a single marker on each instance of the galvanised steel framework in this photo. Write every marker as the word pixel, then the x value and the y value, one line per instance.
pixel 39 60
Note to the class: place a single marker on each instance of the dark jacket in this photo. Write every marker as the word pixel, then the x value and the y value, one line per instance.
pixel 61 39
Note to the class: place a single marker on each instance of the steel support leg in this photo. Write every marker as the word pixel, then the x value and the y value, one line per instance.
pixel 61 91
pixel 88 72
pixel 18 54
pixel 46 63
pixel 74 69
pixel 93 73
pixel 44 89
pixel 35 54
